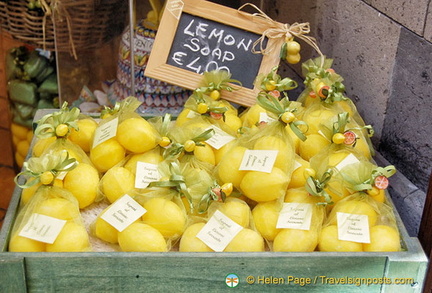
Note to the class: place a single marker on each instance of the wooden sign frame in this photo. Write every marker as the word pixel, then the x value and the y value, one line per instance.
pixel 158 68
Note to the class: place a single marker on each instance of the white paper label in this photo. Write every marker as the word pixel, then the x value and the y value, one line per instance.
pixel 105 132
pixel 192 114
pixel 42 228
pixel 258 160
pixel 175 7
pixel 146 173
pixel 219 231
pixel 123 212
pixel 295 216
pixel 353 227
pixel 350 159
pixel 297 165
pixel 219 138
pixel 263 117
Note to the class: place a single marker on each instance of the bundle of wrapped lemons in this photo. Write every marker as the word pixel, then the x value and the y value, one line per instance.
pixel 283 175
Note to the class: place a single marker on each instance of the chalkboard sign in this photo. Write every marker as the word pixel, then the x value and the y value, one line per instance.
pixel 196 36
pixel 205 45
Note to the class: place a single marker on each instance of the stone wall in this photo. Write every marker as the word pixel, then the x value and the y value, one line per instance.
pixel 383 50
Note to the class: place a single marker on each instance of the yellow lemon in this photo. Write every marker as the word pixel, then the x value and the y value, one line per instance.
pixel 72 238
pixel 233 122
pixel 58 183
pixel 141 237
pixel 383 238
pixel 59 208
pixel 41 145
pixel 294 138
pixel 335 158
pixel 184 116
pixel 336 190
pixel 23 147
pixel 136 135
pixel 202 108
pixel 377 194
pixel 346 106
pixel 246 240
pixel 356 207
pixel 107 154
pixel 196 125
pixel 19 131
pixel 205 154
pixel 215 94
pixel 298 178
pixel 252 115
pixel 84 135
pixel 15 140
pixel 190 243
pixel 83 182
pixel 165 216
pixel 231 109
pixel 285 155
pixel 30 136
pixel 300 195
pixel 265 215
pixel 313 144
pixel 316 117
pixel 220 153
pixel 338 138
pixel 228 168
pixel 19 160
pixel 236 210
pixel 23 244
pixel 28 192
pixel 296 240
pixel 105 231
pixel 150 157
pixel 46 178
pixel 328 241
pixel 260 186
pixel 363 147
pixel 116 182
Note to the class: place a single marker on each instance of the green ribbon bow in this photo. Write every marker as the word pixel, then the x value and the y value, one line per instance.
pixel 209 197
pixel 36 166
pixel 176 181
pixel 314 68
pixel 340 127
pixel 273 105
pixel 340 124
pixel 47 124
pixel 162 124
pixel 131 103
pixel 281 84
pixel 216 80
pixel 316 186
pixel 176 148
pixel 387 171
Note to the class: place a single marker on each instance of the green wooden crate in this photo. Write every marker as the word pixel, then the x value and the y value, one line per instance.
pixel 184 272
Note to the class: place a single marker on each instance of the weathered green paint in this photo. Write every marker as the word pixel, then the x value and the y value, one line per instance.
pixel 185 272
pixel 150 272
pixel 12 274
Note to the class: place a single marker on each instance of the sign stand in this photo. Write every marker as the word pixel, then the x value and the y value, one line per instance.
pixel 196 36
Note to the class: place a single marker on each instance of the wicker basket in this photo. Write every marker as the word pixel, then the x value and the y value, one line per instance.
pixel 3 15
pixel 79 24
